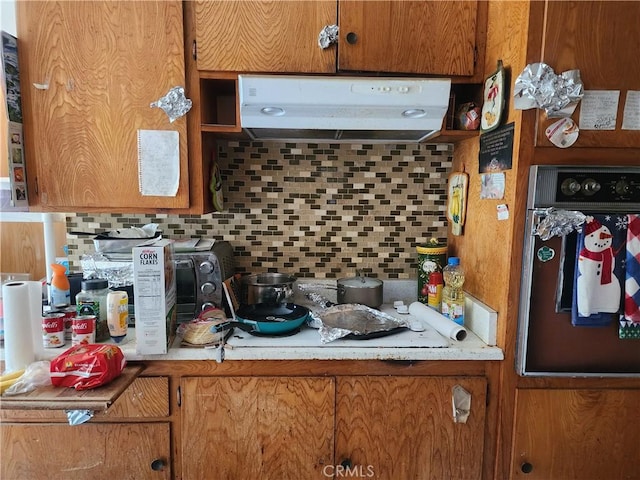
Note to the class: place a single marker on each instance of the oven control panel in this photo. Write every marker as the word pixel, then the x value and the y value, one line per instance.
pixel 598 187
pixel 579 187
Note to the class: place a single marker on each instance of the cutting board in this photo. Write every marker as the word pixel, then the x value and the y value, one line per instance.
pixel 63 398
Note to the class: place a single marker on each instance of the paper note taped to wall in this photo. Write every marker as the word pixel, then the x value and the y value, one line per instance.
pixel 158 162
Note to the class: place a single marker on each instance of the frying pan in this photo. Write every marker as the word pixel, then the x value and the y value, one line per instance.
pixel 267 318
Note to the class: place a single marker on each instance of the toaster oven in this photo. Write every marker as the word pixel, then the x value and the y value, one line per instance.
pixel 199 277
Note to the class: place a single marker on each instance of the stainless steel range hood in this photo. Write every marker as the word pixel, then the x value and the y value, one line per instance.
pixel 340 109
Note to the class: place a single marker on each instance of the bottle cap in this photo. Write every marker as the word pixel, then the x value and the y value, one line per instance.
pixel 454 261
pixel 94 284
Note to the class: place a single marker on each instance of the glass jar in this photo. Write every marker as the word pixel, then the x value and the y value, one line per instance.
pixel 92 300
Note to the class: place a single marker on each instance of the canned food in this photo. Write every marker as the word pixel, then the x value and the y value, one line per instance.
pixel 69 314
pixel 83 329
pixel 53 330
pixel 432 257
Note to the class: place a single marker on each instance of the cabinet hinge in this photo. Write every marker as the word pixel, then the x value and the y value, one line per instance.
pixel 194 50
pixel 37 189
pixel 179 396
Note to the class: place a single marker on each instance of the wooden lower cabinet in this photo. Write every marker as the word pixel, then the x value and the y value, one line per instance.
pixel 582 434
pixel 289 428
pixel 89 451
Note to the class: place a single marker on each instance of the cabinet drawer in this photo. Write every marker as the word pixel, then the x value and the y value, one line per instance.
pixel 146 397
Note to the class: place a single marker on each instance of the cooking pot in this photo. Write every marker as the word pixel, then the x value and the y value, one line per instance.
pixel 270 288
pixel 360 289
pixel 267 318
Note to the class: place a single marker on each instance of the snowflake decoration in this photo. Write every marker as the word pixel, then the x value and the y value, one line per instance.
pixel 622 222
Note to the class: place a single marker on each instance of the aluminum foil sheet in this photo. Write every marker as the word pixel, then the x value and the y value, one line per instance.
pixel 328 36
pixel 538 86
pixel 351 318
pixel 557 223
pixel 175 104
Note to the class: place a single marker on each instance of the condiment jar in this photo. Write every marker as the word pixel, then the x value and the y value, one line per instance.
pixel 92 300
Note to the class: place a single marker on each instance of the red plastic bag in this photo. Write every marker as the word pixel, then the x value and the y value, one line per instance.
pixel 87 366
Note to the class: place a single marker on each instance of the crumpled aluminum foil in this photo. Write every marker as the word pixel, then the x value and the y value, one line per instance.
pixel 175 104
pixel 341 320
pixel 328 36
pixel 558 223
pixel 538 86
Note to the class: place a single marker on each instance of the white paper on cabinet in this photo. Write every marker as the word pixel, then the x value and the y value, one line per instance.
pixel 158 162
pixel 599 110
pixel 631 115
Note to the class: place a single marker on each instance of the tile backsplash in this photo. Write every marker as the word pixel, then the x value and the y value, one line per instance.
pixel 313 210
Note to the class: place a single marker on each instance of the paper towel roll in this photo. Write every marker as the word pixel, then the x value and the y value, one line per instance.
pixel 18 339
pixel 35 315
pixel 439 322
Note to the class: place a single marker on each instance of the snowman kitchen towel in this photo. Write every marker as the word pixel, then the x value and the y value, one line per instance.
pixel 598 287
pixel 630 321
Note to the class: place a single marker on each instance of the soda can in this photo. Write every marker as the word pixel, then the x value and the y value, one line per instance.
pixel 83 329
pixel 53 330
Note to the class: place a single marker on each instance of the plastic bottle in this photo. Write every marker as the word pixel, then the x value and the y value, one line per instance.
pixel 60 291
pixel 92 300
pixel 434 287
pixel 452 293
pixel 117 315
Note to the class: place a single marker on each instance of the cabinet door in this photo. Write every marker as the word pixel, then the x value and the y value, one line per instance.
pixel 245 427
pixel 88 451
pixel 576 434
pixel 602 40
pixel 90 71
pixel 264 36
pixel 403 427
pixel 411 37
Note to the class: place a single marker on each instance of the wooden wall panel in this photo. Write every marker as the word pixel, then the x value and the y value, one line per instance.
pixel 22 247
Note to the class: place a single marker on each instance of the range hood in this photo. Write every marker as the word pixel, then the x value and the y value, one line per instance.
pixel 340 109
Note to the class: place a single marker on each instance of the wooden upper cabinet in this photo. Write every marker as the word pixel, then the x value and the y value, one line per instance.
pixel 89 73
pixel 602 40
pixel 412 37
pixel 263 36
pixel 408 37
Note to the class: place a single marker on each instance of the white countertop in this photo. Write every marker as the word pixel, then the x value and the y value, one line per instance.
pixel 307 345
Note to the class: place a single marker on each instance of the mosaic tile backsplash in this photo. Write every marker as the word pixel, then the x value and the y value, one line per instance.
pixel 312 210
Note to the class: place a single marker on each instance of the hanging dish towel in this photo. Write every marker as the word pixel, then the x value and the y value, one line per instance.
pixel 599 270
pixel 630 321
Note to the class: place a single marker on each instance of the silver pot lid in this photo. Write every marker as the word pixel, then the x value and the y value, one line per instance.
pixel 360 282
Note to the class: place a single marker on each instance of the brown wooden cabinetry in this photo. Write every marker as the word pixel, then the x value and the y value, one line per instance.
pixel 289 427
pixel 599 38
pixel 576 434
pixel 129 440
pixel 89 72
pixel 429 38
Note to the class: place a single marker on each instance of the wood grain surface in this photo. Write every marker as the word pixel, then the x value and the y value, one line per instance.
pixel 264 36
pixel 411 37
pixel 100 65
pixel 260 427
pixel 564 434
pixel 118 451
pixel 403 428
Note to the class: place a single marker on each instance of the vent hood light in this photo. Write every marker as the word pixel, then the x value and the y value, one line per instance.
pixel 342 109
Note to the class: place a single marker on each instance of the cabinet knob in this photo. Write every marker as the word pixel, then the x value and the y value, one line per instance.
pixel 158 464
pixel 526 467
pixel 346 463
pixel 352 38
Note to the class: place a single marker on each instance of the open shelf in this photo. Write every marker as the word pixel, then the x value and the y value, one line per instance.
pixel 219 104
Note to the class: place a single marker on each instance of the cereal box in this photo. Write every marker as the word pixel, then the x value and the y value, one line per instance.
pixel 154 292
